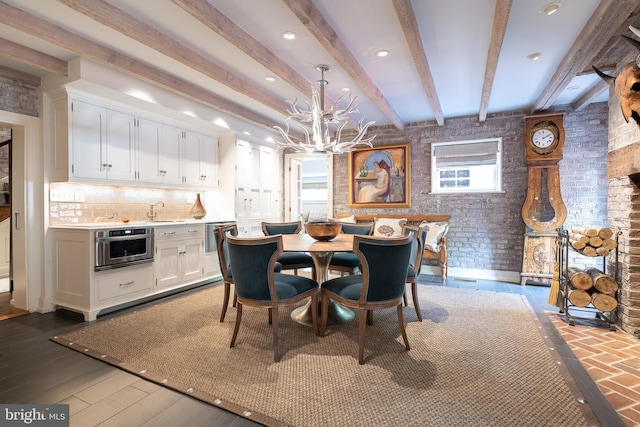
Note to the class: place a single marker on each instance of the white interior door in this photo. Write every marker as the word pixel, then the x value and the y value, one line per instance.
pixel 308 184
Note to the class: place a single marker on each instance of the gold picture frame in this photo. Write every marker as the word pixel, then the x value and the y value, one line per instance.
pixel 380 177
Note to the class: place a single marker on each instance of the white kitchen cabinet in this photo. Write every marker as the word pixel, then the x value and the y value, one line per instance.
pixel 179 255
pixel 103 143
pixel 96 142
pixel 257 187
pixel 200 159
pixel 159 152
pixel 178 263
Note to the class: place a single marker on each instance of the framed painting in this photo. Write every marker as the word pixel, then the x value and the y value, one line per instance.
pixel 380 177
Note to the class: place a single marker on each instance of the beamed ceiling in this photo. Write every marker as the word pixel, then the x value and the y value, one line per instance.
pixel 445 58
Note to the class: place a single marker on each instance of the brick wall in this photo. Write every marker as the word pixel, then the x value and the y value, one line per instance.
pixel 624 214
pixel 487 230
pixel 18 97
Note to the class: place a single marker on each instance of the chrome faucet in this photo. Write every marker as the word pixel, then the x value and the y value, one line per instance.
pixel 151 214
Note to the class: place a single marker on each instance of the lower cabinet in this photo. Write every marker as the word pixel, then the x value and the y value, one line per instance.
pixel 179 261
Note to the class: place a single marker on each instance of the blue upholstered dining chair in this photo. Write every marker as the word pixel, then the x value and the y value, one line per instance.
pixel 348 262
pixel 381 284
pixel 257 285
pixel 290 260
pixel 415 263
pixel 225 266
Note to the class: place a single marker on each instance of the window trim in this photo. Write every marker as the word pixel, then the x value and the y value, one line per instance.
pixel 435 189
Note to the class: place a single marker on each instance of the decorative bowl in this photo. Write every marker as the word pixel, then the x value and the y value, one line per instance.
pixel 323 231
pixel 125 220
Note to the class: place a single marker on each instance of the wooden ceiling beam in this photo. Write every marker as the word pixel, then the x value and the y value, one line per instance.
pixel 500 20
pixel 311 17
pixel 20 76
pixel 118 20
pixel 37 27
pixel 32 57
pixel 588 97
pixel 218 22
pixel 409 25
pixel 601 27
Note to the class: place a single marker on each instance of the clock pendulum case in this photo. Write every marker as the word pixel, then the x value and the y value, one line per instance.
pixel 543 211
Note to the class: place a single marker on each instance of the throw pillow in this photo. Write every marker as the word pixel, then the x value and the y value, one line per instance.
pixel 388 227
pixel 436 232
pixel 349 219
pixel 317 216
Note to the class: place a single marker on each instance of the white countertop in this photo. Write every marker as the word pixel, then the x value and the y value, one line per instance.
pixel 138 224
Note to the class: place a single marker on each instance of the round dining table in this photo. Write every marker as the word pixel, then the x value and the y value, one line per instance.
pixel 321 252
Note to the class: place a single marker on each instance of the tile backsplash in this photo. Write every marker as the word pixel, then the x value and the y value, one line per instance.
pixel 85 203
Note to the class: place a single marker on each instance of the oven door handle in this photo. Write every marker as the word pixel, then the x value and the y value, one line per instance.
pixel 121 238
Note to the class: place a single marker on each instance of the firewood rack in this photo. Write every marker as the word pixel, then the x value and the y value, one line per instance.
pixel 562 258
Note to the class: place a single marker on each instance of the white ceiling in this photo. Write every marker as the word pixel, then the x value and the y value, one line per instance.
pixel 455 35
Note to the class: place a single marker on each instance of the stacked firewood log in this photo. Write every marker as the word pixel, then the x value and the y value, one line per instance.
pixel 592 286
pixel 592 241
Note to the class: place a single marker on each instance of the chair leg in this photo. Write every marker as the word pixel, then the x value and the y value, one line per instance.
pixel 270 317
pixel 237 326
pixel 235 299
pixel 314 314
pixel 414 294
pixel 402 330
pixel 362 315
pixel 325 313
pixel 225 300
pixel 370 317
pixel 404 298
pixel 274 314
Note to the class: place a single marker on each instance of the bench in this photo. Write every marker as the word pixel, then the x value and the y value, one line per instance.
pixel 440 256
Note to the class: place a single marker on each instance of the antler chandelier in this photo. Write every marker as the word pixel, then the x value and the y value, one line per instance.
pixel 320 140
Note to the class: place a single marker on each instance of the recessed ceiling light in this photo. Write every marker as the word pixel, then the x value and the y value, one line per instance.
pixel 382 53
pixel 534 56
pixel 345 89
pixel 270 79
pixel 288 35
pixel 246 132
pixel 551 8
pixel 574 87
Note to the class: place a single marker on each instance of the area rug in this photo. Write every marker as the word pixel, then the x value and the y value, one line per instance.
pixel 477 359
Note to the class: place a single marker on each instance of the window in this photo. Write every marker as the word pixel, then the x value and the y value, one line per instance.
pixel 466 166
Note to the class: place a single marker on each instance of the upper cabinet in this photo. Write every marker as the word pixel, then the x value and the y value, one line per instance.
pixel 99 143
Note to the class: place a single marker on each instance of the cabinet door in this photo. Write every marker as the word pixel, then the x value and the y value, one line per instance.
pixel 119 147
pixel 89 157
pixel 200 160
pixel 209 161
pixel 191 159
pixel 170 150
pixel 192 252
pixel 167 263
pixel 149 151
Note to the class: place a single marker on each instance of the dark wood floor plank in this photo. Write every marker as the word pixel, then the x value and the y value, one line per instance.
pixel 143 410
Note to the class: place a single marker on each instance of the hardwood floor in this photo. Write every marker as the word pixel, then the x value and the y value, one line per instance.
pixel 7 311
pixel 35 370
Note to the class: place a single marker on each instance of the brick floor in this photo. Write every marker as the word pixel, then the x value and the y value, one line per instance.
pixel 612 360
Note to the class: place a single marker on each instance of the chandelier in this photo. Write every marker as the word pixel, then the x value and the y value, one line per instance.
pixel 320 140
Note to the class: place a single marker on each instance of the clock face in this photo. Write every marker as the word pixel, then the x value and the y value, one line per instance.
pixel 544 137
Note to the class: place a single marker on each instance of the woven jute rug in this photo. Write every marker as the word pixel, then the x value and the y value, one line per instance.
pixel 477 359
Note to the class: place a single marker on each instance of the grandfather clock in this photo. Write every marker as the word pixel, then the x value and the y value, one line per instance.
pixel 543 211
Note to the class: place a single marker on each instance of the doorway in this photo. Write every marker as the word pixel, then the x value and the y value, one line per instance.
pixel 308 186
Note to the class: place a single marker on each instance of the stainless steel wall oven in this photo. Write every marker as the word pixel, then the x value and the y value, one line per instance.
pixel 123 247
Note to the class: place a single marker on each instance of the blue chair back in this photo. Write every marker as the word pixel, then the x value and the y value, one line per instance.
pixel 417 248
pixel 273 228
pixel 363 229
pixel 384 266
pixel 223 248
pixel 252 262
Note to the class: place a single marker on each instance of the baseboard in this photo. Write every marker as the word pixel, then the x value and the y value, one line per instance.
pixel 472 273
